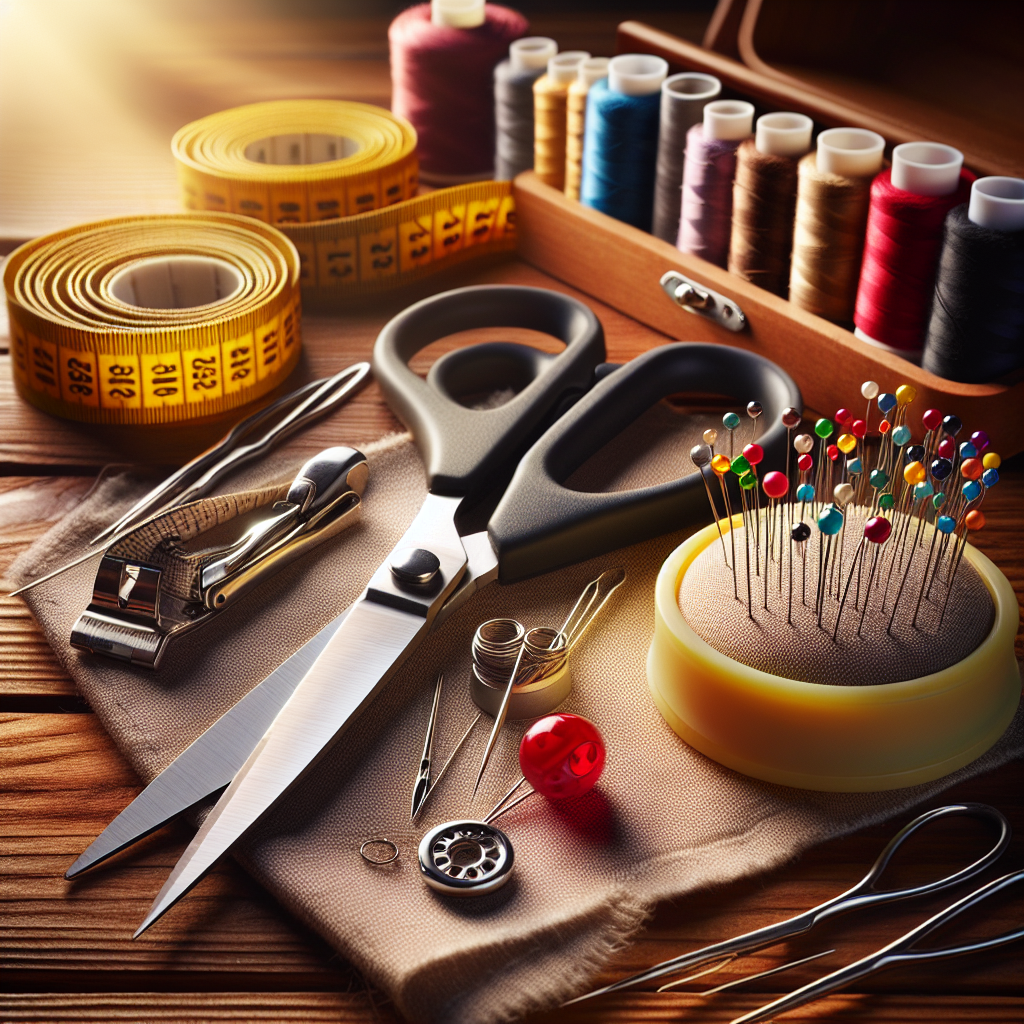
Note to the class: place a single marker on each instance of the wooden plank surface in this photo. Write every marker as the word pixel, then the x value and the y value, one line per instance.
pixel 230 953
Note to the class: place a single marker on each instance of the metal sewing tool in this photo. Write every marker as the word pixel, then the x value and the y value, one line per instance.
pixel 594 597
pixel 900 952
pixel 863 894
pixel 135 612
pixel 422 786
pixel 198 478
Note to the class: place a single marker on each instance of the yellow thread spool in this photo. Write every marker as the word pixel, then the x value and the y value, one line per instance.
pixel 836 738
pixel 589 71
pixel 549 112
pixel 158 319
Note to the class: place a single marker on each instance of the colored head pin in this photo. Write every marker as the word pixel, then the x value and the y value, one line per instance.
pixel 803 443
pixel 701 455
pixel 932 419
pixel 710 436
pixel 869 390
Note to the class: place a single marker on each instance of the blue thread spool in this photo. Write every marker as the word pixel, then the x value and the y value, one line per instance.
pixel 620 142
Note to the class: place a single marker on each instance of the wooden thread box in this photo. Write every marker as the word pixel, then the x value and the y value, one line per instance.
pixel 623 266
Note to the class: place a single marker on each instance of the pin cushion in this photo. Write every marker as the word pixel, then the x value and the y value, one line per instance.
pixel 775 697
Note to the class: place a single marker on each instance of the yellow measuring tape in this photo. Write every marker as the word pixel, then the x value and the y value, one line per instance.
pixel 340 180
pixel 156 319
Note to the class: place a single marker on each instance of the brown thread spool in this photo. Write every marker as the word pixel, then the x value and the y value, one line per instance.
pixel 764 200
pixel 550 92
pixel 587 73
pixel 833 196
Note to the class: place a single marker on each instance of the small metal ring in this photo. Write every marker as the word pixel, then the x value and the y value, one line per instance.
pixel 382 842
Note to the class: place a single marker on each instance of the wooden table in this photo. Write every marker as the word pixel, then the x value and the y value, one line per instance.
pixel 229 953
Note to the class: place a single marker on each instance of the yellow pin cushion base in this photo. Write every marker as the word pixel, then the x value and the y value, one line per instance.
pixel 837 738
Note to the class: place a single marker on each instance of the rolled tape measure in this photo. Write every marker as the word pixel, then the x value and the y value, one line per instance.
pixel 154 319
pixel 340 180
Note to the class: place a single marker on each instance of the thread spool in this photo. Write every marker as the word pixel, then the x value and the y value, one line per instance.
pixel 832 200
pixel 909 204
pixel 543 680
pixel 621 139
pixel 513 103
pixel 442 59
pixel 709 166
pixel 550 93
pixel 588 71
pixel 976 329
pixel 764 200
pixel 683 98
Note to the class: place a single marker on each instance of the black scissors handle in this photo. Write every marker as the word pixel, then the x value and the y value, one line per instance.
pixel 540 524
pixel 464 448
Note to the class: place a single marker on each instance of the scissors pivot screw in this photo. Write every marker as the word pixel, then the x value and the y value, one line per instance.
pixel 415 566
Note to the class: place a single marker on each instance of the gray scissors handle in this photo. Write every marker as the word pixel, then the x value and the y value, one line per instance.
pixel 863 894
pixel 899 952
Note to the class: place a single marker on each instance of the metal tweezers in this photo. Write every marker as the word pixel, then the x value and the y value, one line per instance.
pixel 197 478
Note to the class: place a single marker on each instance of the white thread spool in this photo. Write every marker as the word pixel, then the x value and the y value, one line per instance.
pixel 783 134
pixel 997 203
pixel 531 53
pixel 849 152
pixel 458 13
pixel 636 74
pixel 926 168
pixel 728 120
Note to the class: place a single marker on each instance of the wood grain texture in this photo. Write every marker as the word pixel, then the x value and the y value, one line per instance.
pixel 229 953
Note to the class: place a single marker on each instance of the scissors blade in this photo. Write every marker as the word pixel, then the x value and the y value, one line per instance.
pixel 211 761
pixel 381 630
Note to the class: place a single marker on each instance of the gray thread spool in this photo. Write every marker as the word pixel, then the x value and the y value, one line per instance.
pixel 682 106
pixel 543 680
pixel 513 103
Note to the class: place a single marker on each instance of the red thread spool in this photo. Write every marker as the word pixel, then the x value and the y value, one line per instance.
pixel 562 755
pixel 901 255
pixel 442 81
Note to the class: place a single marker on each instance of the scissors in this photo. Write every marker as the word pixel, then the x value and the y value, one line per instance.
pixel 538 525
pixel 863 894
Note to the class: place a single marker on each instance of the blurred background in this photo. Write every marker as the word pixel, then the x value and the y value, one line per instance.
pixel 91 91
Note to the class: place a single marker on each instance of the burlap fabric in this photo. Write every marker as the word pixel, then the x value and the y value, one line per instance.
pixel 664 820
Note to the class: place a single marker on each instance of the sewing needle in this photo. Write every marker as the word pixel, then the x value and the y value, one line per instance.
pixel 422 787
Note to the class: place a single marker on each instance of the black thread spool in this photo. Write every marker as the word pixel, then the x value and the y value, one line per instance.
pixel 976 329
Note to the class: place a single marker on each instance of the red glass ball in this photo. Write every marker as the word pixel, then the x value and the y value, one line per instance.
pixel 843 416
pixel 804 463
pixel 884 427
pixel 775 484
pixel 754 453
pixel 932 419
pixel 562 756
pixel 832 452
pixel 947 447
pixel 859 429
pixel 971 469
pixel 877 529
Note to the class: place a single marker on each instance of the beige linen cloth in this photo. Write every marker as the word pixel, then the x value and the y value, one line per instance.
pixel 662 822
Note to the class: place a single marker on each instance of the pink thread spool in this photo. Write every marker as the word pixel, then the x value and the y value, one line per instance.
pixel 443 56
